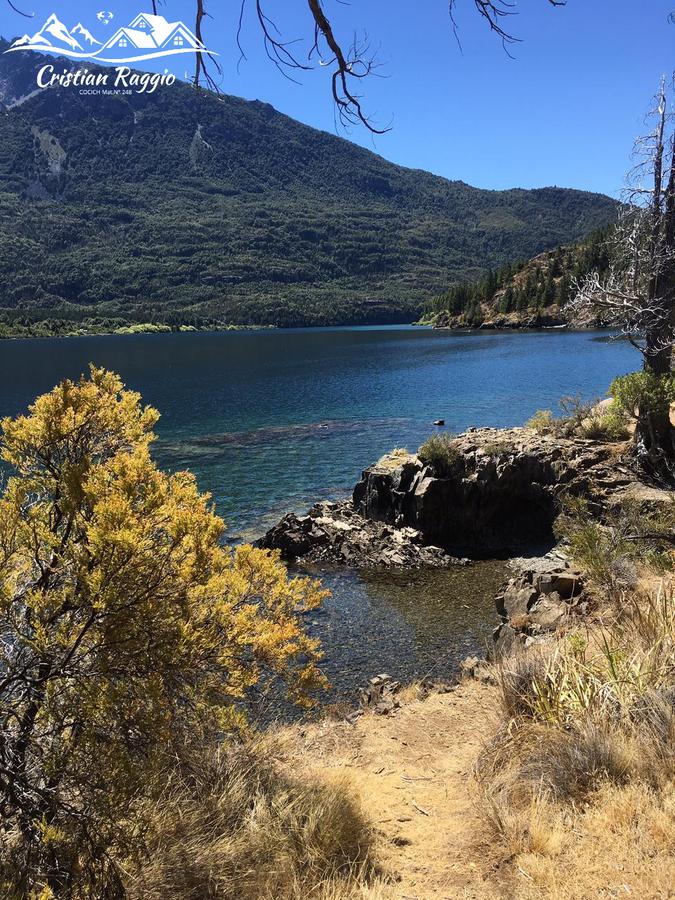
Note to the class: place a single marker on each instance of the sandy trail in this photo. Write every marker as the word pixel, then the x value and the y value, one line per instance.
pixel 413 773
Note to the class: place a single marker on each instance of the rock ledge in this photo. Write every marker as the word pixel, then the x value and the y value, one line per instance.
pixel 500 498
pixel 335 534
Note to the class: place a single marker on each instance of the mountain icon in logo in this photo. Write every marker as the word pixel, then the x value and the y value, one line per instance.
pixel 86 35
pixel 52 35
pixel 145 37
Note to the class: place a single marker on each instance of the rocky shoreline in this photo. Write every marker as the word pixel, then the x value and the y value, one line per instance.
pixel 544 594
pixel 499 498
pixel 337 534
pixel 504 322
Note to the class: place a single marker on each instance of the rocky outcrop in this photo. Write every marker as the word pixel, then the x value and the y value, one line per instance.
pixel 543 595
pixel 499 496
pixel 335 534
pixel 550 318
pixel 381 695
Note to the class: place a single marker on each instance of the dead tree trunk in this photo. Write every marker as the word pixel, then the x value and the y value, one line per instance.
pixel 654 435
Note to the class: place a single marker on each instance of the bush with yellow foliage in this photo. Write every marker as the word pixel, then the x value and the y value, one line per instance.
pixel 126 629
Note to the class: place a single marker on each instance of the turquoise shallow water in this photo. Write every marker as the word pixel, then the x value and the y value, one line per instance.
pixel 271 421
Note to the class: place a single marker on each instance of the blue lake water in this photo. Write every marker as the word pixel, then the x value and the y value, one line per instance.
pixel 271 421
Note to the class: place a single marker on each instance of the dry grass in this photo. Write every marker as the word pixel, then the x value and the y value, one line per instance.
pixel 593 421
pixel 230 826
pixel 440 451
pixel 578 785
pixel 621 845
pixel 394 458
pixel 543 422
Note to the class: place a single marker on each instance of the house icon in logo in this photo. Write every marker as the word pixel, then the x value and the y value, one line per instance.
pixel 150 33
pixel 145 37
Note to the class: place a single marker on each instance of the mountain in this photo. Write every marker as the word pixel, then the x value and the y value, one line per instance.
pixel 524 294
pixel 85 33
pixel 55 33
pixel 26 39
pixel 179 206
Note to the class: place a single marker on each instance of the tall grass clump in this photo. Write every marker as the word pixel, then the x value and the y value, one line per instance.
pixel 583 419
pixel 440 451
pixel 596 709
pixel 543 422
pixel 229 825
pixel 594 714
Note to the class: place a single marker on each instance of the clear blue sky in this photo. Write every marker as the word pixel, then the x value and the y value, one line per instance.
pixel 565 111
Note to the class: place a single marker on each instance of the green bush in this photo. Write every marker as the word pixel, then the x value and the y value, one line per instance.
pixel 609 551
pixel 611 426
pixel 644 392
pixel 440 452
pixel 600 550
pixel 543 422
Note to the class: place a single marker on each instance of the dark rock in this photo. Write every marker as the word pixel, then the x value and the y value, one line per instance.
pixel 334 534
pixel 566 584
pixel 487 505
pixel 380 695
pixel 507 641
pixel 516 598
pixel 439 422
pixel 548 612
pixel 544 592
pixel 295 536
pixel 501 494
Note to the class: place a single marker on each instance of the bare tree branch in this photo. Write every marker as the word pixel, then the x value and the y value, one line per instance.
pixel 200 61
pixel 20 11
pixel 495 13
pixel 356 64
pixel 638 292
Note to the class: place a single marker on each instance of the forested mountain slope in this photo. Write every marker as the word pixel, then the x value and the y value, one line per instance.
pixel 182 207
pixel 528 293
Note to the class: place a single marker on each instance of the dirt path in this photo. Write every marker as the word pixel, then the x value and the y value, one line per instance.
pixel 412 771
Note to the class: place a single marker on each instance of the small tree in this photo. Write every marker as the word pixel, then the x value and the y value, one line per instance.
pixel 638 291
pixel 125 626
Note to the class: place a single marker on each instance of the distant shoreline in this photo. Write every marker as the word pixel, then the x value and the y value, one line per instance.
pixel 141 329
pixel 135 329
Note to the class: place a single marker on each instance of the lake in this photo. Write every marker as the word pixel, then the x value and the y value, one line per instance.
pixel 271 421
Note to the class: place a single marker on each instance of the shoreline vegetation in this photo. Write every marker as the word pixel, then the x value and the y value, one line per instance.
pixel 40 330
pixel 531 293
pixel 525 295
pixel 63 329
